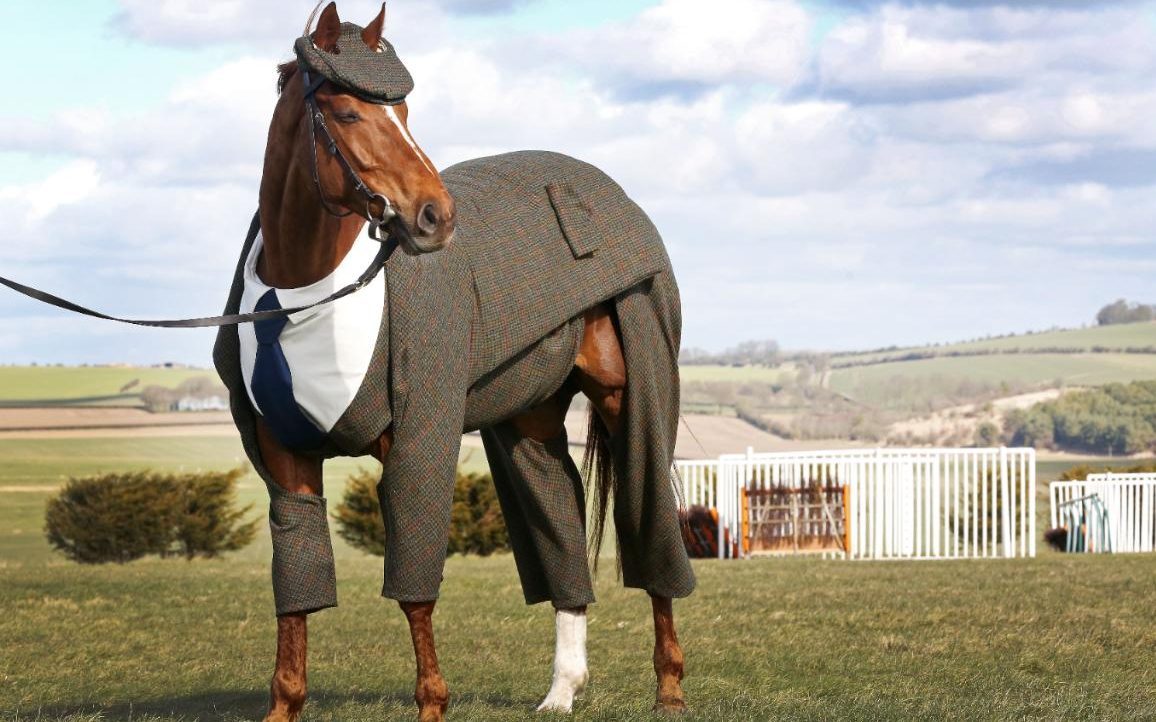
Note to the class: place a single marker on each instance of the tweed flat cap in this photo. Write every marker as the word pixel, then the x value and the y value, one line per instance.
pixel 374 75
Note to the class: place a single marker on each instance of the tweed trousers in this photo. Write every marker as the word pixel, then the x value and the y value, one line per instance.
pixel 544 506
pixel 475 334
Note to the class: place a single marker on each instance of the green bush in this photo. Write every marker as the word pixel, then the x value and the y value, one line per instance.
pixel 1112 419
pixel 120 517
pixel 476 524
pixel 987 435
pixel 358 516
pixel 208 521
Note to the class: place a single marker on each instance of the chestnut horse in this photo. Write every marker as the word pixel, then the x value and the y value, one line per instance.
pixel 303 243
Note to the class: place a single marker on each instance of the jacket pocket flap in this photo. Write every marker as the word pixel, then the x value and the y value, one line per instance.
pixel 575 218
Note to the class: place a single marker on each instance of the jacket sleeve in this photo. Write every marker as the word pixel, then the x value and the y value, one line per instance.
pixel 431 307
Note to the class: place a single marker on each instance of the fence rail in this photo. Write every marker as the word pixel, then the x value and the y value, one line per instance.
pixel 1129 510
pixel 897 503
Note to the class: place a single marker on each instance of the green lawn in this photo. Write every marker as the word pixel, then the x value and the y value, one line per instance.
pixel 1052 638
pixel 1120 336
pixel 49 383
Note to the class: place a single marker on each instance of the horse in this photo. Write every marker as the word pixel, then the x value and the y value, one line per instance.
pixel 436 359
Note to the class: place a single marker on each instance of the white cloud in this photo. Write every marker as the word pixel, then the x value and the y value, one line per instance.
pixel 271 25
pixel 684 45
pixel 869 208
pixel 68 186
pixel 897 53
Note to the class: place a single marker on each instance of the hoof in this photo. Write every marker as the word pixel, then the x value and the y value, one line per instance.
pixel 670 707
pixel 432 714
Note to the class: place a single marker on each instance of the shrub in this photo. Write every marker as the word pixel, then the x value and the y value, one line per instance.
pixel 120 517
pixel 987 434
pixel 208 521
pixel 476 525
pixel 358 516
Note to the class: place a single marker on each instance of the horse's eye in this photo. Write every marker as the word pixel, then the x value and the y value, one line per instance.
pixel 347 116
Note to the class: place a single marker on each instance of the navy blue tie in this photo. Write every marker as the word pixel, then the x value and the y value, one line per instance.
pixel 272 384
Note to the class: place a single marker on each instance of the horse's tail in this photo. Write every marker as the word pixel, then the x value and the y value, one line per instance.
pixel 634 468
pixel 598 468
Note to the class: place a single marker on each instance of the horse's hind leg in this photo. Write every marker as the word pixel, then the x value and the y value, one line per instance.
pixel 668 659
pixel 540 490
pixel 602 376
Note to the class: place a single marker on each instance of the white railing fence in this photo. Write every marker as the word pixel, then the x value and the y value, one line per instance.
pixel 1128 502
pixel 900 503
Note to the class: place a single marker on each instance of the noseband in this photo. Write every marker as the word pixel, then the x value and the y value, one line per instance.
pixel 317 121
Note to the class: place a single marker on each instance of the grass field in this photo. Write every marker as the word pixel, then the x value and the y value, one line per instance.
pixel 866 383
pixel 740 374
pixel 1120 336
pixel 55 383
pixel 1051 638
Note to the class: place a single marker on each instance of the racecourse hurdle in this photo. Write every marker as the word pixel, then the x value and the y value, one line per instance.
pixel 1128 521
pixel 896 503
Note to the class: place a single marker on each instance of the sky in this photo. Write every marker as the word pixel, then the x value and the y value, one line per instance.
pixel 834 174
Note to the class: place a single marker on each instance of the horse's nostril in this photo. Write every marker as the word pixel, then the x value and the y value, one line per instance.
pixel 427 219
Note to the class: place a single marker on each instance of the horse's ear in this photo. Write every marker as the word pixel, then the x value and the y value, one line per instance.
pixel 372 33
pixel 328 29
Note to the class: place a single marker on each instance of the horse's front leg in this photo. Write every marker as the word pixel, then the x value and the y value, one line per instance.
pixel 287 691
pixel 668 659
pixel 300 475
pixel 432 694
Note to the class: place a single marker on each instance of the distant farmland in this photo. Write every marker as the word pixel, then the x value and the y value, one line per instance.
pixel 54 385
pixel 1119 337
pixel 869 384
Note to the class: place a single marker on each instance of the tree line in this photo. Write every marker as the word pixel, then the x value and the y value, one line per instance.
pixel 1115 419
pixel 1121 311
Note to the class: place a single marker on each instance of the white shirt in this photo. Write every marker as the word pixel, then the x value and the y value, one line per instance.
pixel 328 348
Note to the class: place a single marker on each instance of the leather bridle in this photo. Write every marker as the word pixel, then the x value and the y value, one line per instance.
pixel 316 121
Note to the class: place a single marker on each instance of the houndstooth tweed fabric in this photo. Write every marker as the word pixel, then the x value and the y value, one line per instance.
pixel 543 503
pixel 540 238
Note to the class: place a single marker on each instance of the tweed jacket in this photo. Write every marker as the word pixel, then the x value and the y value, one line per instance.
pixel 474 333
pixel 540 238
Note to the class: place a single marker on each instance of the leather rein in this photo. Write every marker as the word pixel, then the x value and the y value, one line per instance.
pixel 386 228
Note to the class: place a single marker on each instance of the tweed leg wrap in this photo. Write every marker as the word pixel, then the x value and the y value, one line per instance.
pixel 304 579
pixel 646 519
pixel 540 491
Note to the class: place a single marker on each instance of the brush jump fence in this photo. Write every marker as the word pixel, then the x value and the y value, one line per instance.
pixel 870 503
pixel 1106 512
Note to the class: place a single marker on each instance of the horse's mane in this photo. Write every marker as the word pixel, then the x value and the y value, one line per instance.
pixel 285 73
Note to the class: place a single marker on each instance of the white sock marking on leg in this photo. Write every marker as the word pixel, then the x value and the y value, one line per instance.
pixel 570 672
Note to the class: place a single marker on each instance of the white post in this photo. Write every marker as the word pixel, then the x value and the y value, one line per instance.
pixel 1006 511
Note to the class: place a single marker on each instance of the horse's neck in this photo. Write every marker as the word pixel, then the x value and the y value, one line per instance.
pixel 302 243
